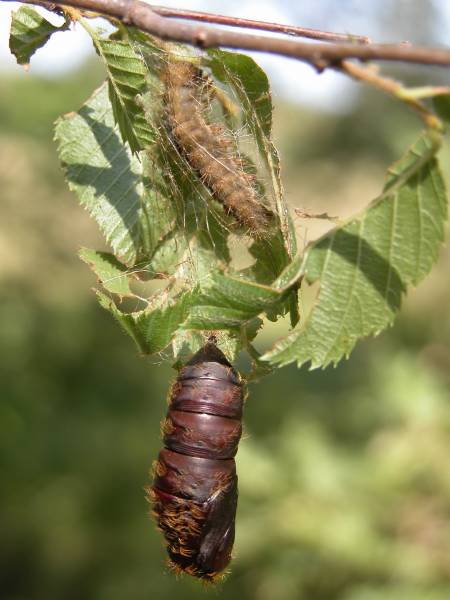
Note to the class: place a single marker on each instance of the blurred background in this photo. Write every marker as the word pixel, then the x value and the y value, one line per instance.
pixel 344 473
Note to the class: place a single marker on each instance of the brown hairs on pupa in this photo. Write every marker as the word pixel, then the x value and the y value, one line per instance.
pixel 194 492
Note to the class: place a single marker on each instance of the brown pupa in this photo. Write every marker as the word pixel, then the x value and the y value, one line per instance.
pixel 194 492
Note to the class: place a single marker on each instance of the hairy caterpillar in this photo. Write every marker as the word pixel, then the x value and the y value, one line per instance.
pixel 194 492
pixel 207 149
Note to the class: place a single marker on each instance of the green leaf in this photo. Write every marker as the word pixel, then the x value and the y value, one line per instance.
pixel 112 274
pixel 228 303
pixel 29 32
pixel 185 344
pixel 270 259
pixel 291 275
pixel 267 263
pixel 159 216
pixel 152 329
pixel 110 182
pixel 365 266
pixel 251 84
pixel 126 83
pixel 188 342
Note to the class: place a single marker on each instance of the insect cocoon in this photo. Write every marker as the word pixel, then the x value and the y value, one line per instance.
pixel 209 150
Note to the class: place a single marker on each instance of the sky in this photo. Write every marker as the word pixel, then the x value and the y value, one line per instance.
pixel 290 79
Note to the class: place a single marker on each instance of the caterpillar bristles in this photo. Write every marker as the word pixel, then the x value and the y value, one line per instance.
pixel 209 149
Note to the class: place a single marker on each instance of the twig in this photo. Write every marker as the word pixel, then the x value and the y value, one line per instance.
pixel 320 55
pixel 391 87
pixel 293 30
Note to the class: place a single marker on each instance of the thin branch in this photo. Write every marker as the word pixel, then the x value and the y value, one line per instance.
pixel 393 88
pixel 295 31
pixel 321 56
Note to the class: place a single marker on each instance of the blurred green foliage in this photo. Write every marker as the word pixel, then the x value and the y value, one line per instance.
pixel 344 474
